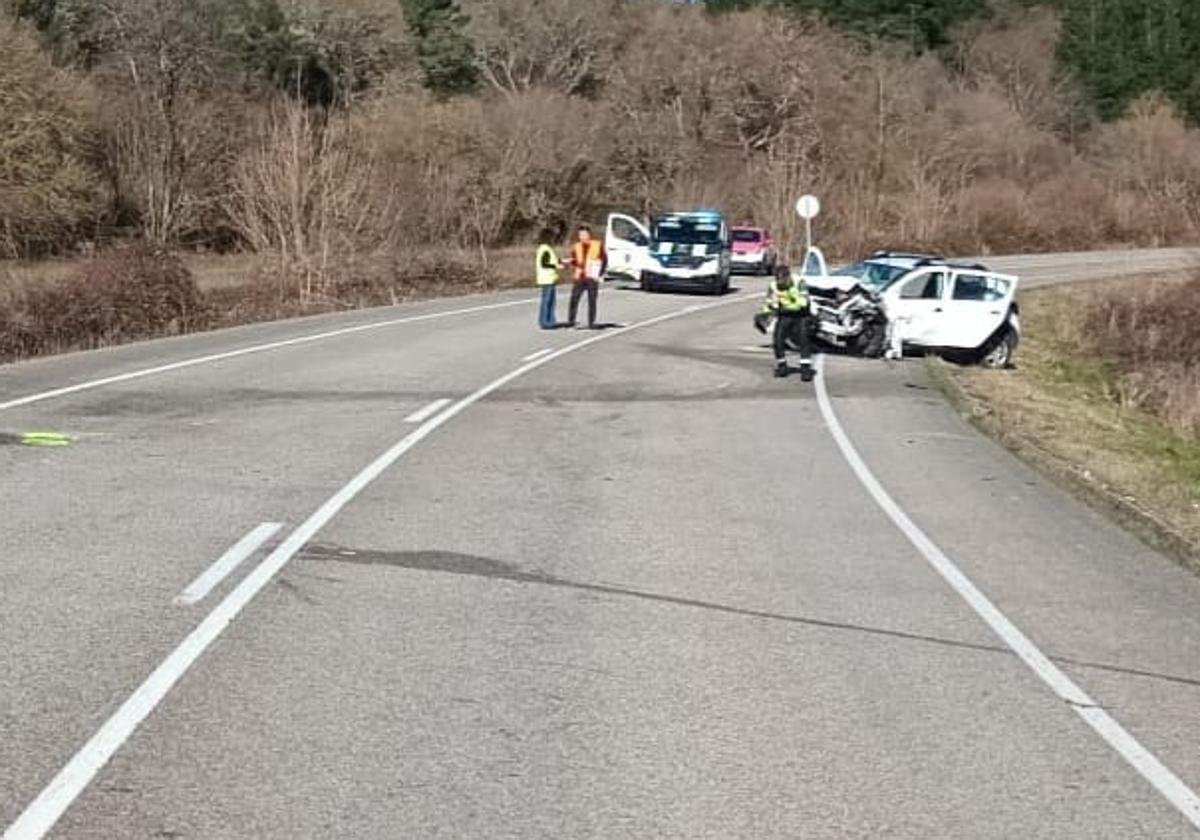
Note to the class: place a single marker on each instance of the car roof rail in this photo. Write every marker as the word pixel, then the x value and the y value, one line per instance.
pixel 904 255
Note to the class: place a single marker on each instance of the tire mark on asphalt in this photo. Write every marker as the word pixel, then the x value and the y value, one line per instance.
pixel 468 565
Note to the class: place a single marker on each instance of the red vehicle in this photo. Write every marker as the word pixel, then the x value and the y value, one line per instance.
pixel 753 251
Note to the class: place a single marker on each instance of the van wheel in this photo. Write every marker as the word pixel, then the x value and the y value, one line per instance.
pixel 646 285
pixel 998 354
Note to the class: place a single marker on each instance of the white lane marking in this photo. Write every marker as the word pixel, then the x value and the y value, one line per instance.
pixel 1141 759
pixel 226 563
pixel 423 414
pixel 538 354
pixel 245 351
pixel 41 814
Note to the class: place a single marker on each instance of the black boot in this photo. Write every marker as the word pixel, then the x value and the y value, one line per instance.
pixel 806 372
pixel 781 370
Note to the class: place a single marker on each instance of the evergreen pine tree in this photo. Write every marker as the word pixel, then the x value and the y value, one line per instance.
pixel 446 54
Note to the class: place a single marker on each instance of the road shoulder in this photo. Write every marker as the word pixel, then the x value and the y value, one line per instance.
pixel 1053 414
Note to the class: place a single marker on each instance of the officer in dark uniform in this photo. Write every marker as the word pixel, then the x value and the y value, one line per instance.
pixel 788 301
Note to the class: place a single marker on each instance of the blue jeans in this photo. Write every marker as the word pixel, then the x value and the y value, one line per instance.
pixel 546 315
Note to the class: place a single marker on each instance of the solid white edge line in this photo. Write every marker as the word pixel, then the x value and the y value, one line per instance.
pixel 423 414
pixel 198 589
pixel 40 815
pixel 537 354
pixel 1146 763
pixel 245 351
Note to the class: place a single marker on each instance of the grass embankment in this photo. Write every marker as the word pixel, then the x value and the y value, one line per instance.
pixel 1106 397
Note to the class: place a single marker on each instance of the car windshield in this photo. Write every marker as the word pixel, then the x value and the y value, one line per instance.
pixel 876 275
pixel 746 236
pixel 687 231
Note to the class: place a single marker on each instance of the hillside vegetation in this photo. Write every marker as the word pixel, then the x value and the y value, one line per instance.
pixel 332 137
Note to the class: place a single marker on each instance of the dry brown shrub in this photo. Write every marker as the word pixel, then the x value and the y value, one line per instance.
pixel 1013 52
pixel 51 191
pixel 1072 209
pixel 130 293
pixel 311 193
pixel 1148 323
pixel 483 172
pixel 1154 155
pixel 1149 332
pixel 171 170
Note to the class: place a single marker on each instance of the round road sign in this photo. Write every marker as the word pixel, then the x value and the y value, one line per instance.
pixel 808 207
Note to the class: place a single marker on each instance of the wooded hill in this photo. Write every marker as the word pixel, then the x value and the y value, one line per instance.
pixel 320 132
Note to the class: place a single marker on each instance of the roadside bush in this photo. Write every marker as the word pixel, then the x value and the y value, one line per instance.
pixel 51 192
pixel 1150 333
pixel 131 293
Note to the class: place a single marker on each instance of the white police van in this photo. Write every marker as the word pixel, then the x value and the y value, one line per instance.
pixel 690 250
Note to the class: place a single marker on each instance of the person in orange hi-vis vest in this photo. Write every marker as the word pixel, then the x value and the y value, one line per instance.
pixel 589 262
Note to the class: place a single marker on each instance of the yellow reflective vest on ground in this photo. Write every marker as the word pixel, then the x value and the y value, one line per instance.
pixel 546 266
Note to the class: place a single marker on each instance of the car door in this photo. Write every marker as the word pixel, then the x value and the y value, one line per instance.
pixel 627 242
pixel 978 304
pixel 814 264
pixel 916 306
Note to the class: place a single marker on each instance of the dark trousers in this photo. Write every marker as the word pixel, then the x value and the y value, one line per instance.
pixel 592 288
pixel 546 316
pixel 798 326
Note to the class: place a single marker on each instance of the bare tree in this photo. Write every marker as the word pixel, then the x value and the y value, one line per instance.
pixel 162 54
pixel 565 45
pixel 312 194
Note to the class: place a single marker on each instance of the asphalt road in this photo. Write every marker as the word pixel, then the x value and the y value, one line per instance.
pixel 631 587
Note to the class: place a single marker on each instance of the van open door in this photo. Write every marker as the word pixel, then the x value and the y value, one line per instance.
pixel 627 242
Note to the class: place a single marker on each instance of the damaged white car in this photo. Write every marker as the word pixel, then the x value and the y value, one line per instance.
pixel 891 302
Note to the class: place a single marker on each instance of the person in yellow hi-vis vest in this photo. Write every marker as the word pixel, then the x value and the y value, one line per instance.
pixel 788 301
pixel 546 266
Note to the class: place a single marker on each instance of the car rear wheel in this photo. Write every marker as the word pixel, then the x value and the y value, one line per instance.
pixel 999 352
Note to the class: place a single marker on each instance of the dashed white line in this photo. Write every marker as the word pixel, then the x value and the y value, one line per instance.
pixel 423 414
pixel 1146 763
pixel 41 814
pixel 226 563
pixel 245 351
pixel 538 354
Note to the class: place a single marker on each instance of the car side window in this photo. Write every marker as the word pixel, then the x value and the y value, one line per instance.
pixel 924 287
pixel 626 231
pixel 979 287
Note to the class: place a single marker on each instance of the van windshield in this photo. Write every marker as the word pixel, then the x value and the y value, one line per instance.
pixel 687 231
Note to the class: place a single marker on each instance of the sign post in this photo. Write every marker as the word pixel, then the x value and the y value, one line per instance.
pixel 808 207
